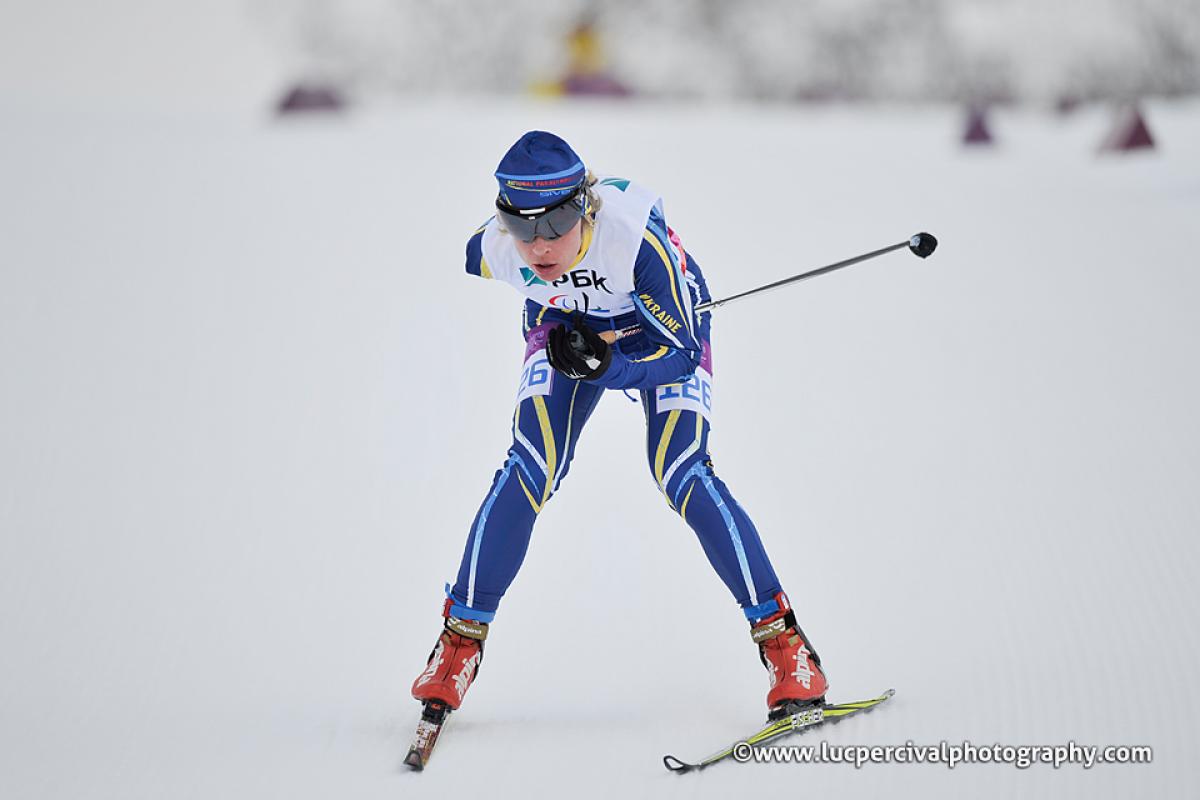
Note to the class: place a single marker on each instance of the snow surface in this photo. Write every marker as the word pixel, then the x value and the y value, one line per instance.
pixel 250 403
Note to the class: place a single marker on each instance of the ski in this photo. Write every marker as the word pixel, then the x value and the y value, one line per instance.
pixel 433 719
pixel 801 721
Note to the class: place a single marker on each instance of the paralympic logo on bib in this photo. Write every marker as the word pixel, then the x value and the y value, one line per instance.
pixel 568 303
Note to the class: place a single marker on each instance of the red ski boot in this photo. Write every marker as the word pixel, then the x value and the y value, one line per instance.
pixel 454 662
pixel 795 668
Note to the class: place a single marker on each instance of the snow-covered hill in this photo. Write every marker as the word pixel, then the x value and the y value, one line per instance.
pixel 250 403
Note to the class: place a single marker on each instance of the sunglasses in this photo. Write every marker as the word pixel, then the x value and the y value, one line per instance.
pixel 548 222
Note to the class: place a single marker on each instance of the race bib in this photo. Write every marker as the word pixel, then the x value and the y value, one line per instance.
pixel 537 376
pixel 694 394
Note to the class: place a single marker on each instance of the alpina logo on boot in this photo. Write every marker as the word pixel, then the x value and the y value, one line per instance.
pixel 768 631
pixel 435 661
pixel 463 679
pixel 803 673
pixel 472 630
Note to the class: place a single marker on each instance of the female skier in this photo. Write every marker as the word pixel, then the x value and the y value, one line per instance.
pixel 596 261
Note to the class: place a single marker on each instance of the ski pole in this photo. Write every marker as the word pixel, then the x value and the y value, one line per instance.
pixel 921 244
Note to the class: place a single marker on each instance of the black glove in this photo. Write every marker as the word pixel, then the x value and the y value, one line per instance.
pixel 578 353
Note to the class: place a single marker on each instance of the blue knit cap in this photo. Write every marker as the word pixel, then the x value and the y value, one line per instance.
pixel 539 170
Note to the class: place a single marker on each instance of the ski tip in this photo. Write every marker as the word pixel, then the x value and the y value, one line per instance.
pixel 887 694
pixel 675 765
pixel 413 761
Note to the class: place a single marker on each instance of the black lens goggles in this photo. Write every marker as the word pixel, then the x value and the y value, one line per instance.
pixel 548 222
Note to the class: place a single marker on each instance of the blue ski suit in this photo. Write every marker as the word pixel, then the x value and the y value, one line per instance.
pixel 632 272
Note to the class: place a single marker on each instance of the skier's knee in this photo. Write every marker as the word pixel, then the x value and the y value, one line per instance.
pixel 539 478
pixel 680 481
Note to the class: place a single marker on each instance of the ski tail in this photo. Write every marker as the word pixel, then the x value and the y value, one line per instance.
pixel 433 719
